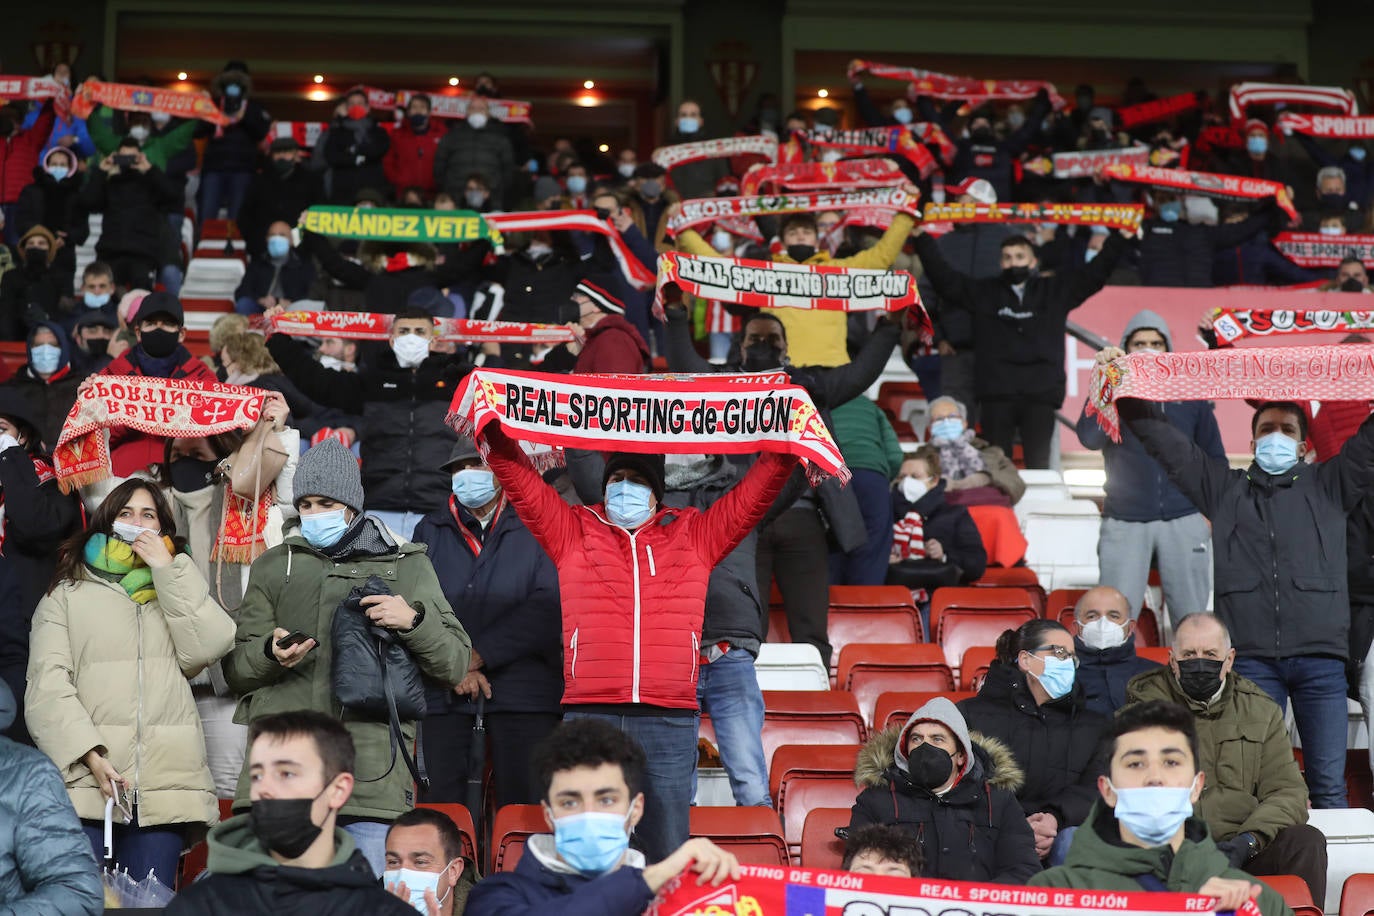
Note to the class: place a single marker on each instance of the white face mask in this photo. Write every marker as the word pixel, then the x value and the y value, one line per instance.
pixel 477 120
pixel 1102 634
pixel 417 882
pixel 332 362
pixel 626 169
pixel 720 241
pixel 123 531
pixel 913 488
pixel 410 350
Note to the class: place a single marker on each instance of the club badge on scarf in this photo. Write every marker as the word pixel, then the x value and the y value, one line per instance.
pixel 702 210
pixel 1231 325
pixel 966 89
pixel 1335 373
pixel 1340 127
pixel 382 224
pixel 1113 216
pixel 125 97
pixel 670 157
pixel 374 326
pixel 1312 249
pixel 159 407
pixel 1207 184
pixel 651 414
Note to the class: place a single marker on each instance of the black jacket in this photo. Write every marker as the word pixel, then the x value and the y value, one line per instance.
pixel 1181 254
pixel 539 291
pixel 53 204
pixel 29 297
pixel 1056 744
pixel 271 197
pixel 297 274
pixel 354 151
pixel 991 160
pixel 234 148
pixel 404 438
pixel 134 205
pixel 973 249
pixel 951 525
pixel 1018 343
pixel 1279 543
pixel 1104 674
pixel 507 600
pixel 49 401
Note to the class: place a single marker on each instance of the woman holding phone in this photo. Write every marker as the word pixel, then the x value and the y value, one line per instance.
pixel 127 621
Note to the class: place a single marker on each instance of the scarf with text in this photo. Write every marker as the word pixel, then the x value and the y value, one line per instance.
pixel 37 89
pixel 1312 249
pixel 1339 127
pixel 1087 163
pixel 168 408
pixel 1231 325
pixel 652 414
pixel 1113 216
pixel 374 326
pixel 242 527
pixel 638 276
pixel 1243 95
pixel 877 141
pixel 966 89
pixel 699 211
pixel 815 176
pixel 382 224
pixel 445 104
pixel 1336 373
pixel 1133 116
pixel 1205 184
pixel 197 105
pixel 670 157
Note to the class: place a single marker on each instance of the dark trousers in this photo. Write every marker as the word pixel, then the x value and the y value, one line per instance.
pixel 1298 850
pixel 867 564
pixel 1003 419
pixel 511 738
pixel 793 549
pixel 140 849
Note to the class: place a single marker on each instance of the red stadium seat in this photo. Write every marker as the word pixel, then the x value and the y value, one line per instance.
pixel 810 717
pixel 973 667
pixel 869 669
pixel 1147 628
pixel 1357 895
pixel 1153 653
pixel 752 833
pixel 777 626
pixel 193 860
pixel 893 625
pixel 510 830
pixel 870 596
pixel 1061 599
pixel 896 706
pixel 460 816
pixel 820 847
pixel 803 777
pixel 965 617
pixel 1295 893
pixel 1016 577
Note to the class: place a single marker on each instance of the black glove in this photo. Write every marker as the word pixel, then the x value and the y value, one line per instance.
pixel 1239 849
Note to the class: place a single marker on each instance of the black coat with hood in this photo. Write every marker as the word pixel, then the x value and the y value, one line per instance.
pixel 1056 744
pixel 951 525
pixel 133 205
pixel 974 831
pixel 49 400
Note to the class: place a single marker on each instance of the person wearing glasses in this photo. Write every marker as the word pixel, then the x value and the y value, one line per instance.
pixel 1032 702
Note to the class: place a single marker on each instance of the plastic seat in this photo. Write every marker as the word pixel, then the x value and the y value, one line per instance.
pixel 820 848
pixel 965 617
pixel 810 717
pixel 973 667
pixel 790 666
pixel 869 669
pixel 510 831
pixel 896 706
pixel 1062 599
pixel 461 817
pixel 1357 895
pixel 870 596
pixel 804 777
pixel 1158 654
pixel 1295 893
pixel 895 625
pixel 1147 628
pixel 194 859
pixel 752 833
pixel 777 626
pixel 1014 577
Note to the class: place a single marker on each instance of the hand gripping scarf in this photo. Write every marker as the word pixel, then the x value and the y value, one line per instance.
pixel 382 224
pixel 700 211
pixel 1113 216
pixel 1207 184
pixel 966 89
pixel 373 326
pixel 639 276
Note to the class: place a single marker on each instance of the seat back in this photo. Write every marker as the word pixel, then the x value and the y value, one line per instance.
pixel 752 833
pixel 1062 599
pixel 1147 628
pixel 1357 895
pixel 1158 654
pixel 899 625
pixel 462 819
pixel 804 791
pixel 1014 577
pixel 810 717
pixel 973 667
pixel 820 848
pixel 801 758
pixel 870 596
pixel 511 829
pixel 870 669
pixel 965 617
pixel 1294 891
pixel 790 666
pixel 896 706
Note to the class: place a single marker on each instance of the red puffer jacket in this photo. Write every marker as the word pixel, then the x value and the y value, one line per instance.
pixel 19 155
pixel 633 600
pixel 409 161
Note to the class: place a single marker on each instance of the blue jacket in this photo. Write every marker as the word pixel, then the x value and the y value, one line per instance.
pixel 46 864
pixel 507 600
pixel 536 888
pixel 1104 674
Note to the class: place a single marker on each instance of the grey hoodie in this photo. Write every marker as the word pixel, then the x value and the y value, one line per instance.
pixel 1147 319
pixel 947 714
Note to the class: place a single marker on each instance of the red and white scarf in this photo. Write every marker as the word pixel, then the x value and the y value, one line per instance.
pixel 639 276
pixel 36 89
pixel 1243 95
pixel 1312 249
pixel 305 133
pixel 652 414
pixel 197 105
pixel 1343 127
pixel 1113 216
pixel 876 141
pixel 670 157
pixel 815 176
pixel 1335 373
pixel 703 210
pixel 374 326
pixel 1206 184
pixel 159 407
pixel 908 537
pixel 1133 116
pixel 1087 163
pixel 966 89
pixel 1231 325
pixel 445 104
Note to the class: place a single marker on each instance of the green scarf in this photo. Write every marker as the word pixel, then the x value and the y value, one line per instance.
pixel 115 561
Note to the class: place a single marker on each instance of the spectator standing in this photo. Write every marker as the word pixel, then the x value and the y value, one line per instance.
pixel 874 456
pixel 981 154
pixel 694 179
pixel 409 160
pixel 477 144
pixel 133 194
pixel 280 191
pixel 354 150
pixel 1174 252
pixel 50 201
pixel 20 149
pixel 1105 641
pixel 231 150
pixel 970 463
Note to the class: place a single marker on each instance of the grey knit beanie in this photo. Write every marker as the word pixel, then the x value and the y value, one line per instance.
pixel 331 471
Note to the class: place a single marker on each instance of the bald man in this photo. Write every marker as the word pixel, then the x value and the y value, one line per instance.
pixel 1104 638
pixel 1256 800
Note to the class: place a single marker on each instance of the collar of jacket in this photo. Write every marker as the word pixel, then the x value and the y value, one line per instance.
pixel 1102 657
pixel 1258 478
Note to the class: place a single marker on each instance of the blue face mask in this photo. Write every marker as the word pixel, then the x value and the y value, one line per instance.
pixel 946 430
pixel 474 487
pixel 1257 145
pixel 278 246
pixel 45 358
pixel 628 504
pixel 592 842
pixel 323 529
pixel 233 90
pixel 58 172
pixel 577 184
pixel 1276 453
pixel 903 115
pixel 1170 211
pixel 95 300
pixel 1057 678
pixel 688 125
pixel 1153 813
pixel 1357 153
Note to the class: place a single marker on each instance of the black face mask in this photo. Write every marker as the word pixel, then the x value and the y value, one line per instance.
pixel 486 91
pixel 283 167
pixel 1351 285
pixel 928 766
pixel 800 253
pixel 98 346
pixel 35 259
pixel 231 104
pixel 1200 678
pixel 1332 201
pixel 160 343
pixel 761 357
pixel 283 825
pixel 419 122
pixel 1016 275
pixel 602 213
pixel 982 135
pixel 6 126
pixel 191 474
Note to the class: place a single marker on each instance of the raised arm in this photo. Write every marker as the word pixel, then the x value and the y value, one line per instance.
pixel 1199 476
pixel 954 288
pixel 845 383
pixel 1351 473
pixel 1091 435
pixel 719 529
pixel 330 387
pixel 682 356
pixel 549 518
pixel 882 254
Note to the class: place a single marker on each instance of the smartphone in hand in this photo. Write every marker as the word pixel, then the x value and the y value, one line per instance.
pixel 294 639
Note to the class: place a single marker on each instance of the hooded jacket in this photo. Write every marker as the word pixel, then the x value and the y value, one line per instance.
pixel 243 878
pixel 951 525
pixel 613 346
pixel 974 249
pixel 1099 860
pixel 1253 782
pixel 19 154
pixel 1104 673
pixel 1279 541
pixel 29 295
pixel 542 884
pixel 1138 487
pixel 234 147
pixel 52 398
pixel 133 204
pixel 52 203
pixel 976 830
pixel 45 859
pixel 1056 744
pixel 1181 253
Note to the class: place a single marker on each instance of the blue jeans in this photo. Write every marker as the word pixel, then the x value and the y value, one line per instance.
pixel 171 277
pixel 140 849
pixel 867 563
pixel 728 691
pixel 222 189
pixel 1059 851
pixel 1317 686
pixel 247 305
pixel 370 838
pixel 670 751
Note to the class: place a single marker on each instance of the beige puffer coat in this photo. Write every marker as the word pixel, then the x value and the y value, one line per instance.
pixel 107 672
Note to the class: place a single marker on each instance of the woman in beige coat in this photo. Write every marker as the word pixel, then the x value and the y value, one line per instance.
pixel 127 621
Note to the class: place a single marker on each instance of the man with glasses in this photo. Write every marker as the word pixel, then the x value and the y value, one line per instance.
pixel 1104 640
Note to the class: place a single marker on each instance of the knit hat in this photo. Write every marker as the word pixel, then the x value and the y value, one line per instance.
pixel 41 232
pixel 600 298
pixel 331 471
pixel 650 466
pixel 1101 114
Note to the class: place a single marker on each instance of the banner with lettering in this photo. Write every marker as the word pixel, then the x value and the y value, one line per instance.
pixel 652 414
pixel 1312 249
pixel 373 326
pixel 779 284
pixel 1113 216
pixel 1087 163
pixel 1340 127
pixel 383 224
pixel 1231 325
pixel 876 141
pixel 156 406
pixel 125 97
pixel 1334 373
pixel 670 157
pixel 815 176
pixel 1207 184
pixel 764 890
pixel 443 104
pixel 966 89
pixel 37 89
pixel 1132 116
pixel 1243 95
pixel 702 210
